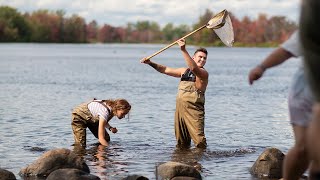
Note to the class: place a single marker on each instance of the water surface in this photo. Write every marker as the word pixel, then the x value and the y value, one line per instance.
pixel 41 83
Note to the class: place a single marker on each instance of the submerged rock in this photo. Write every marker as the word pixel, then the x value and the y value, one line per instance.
pixel 177 170
pixel 53 160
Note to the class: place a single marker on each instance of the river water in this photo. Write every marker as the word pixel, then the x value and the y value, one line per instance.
pixel 41 83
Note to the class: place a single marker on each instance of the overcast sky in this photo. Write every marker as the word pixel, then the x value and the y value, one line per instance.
pixel 120 12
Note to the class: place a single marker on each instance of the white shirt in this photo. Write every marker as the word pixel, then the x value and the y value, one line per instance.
pixel 293 45
pixel 97 109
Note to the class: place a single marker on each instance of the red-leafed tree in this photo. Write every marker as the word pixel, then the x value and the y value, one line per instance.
pixel 45 26
pixel 105 33
pixel 92 31
pixel 121 34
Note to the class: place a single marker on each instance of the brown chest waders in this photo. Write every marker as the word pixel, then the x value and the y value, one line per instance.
pixel 82 119
pixel 189 116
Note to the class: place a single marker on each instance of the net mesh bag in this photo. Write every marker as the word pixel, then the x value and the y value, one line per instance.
pixel 225 33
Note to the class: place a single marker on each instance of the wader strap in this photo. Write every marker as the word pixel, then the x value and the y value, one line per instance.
pixel 103 104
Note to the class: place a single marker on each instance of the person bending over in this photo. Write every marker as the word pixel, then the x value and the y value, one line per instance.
pixel 96 115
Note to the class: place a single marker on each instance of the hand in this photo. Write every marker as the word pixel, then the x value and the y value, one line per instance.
pixel 182 43
pixel 114 130
pixel 145 61
pixel 255 74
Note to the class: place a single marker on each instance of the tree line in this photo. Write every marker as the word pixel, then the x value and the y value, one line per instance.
pixel 44 26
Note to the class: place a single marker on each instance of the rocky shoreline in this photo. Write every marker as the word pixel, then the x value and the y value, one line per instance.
pixel 64 164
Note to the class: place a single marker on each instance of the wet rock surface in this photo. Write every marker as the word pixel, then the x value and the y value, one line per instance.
pixel 171 170
pixel 53 160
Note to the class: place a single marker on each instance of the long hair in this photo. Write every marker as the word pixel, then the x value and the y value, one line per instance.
pixel 118 104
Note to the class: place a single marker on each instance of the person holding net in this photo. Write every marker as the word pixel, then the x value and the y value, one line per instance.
pixel 189 115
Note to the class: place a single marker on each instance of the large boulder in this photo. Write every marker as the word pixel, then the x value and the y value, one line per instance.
pixel 269 164
pixel 6 175
pixel 53 160
pixel 71 174
pixel 171 170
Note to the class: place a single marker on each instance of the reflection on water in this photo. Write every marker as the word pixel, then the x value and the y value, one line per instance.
pixel 99 159
pixel 101 164
pixel 194 156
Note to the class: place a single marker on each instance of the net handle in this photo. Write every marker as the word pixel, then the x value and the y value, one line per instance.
pixel 215 22
pixel 170 45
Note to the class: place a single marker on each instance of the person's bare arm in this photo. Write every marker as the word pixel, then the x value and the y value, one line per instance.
pixel 278 56
pixel 101 132
pixel 175 72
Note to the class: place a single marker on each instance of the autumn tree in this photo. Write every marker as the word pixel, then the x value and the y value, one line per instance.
pixel 92 31
pixel 46 26
pixel 74 30
pixel 105 33
pixel 280 28
pixel 148 31
pixel 206 35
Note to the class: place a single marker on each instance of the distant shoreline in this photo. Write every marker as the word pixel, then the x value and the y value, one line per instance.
pixel 219 44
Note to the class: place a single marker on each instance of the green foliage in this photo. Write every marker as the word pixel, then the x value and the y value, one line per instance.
pixel 13 26
pixel 205 36
pixel 170 32
pixel 146 25
pixel 74 30
pixel 266 44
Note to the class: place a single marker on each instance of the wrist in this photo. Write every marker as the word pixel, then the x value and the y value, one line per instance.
pixel 262 67
pixel 152 63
